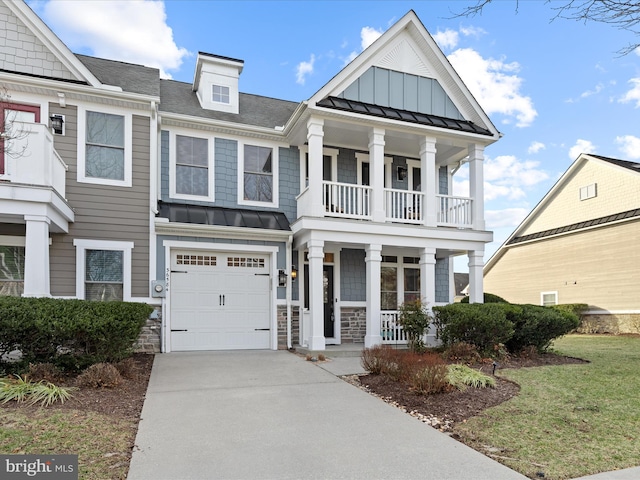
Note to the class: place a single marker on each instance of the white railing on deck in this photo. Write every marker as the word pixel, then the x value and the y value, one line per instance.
pixel 404 206
pixel 390 331
pixel 454 211
pixel 346 200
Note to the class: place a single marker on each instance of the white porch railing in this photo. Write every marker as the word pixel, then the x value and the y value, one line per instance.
pixel 390 331
pixel 346 200
pixel 35 161
pixel 404 206
pixel 454 211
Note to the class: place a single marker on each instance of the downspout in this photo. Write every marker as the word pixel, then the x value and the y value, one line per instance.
pixel 289 287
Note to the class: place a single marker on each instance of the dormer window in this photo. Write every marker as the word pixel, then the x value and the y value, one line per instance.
pixel 220 94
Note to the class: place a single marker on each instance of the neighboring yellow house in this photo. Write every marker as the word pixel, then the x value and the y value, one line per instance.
pixel 580 244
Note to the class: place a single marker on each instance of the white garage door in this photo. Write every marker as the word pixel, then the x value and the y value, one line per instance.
pixel 219 301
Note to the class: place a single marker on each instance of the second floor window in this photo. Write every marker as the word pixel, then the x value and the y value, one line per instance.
pixel 105 146
pixel 192 166
pixel 258 173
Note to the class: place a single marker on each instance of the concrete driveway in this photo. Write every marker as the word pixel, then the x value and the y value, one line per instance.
pixel 273 415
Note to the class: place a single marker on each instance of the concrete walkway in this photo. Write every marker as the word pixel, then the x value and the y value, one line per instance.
pixel 273 415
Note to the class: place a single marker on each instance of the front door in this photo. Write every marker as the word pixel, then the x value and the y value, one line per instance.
pixel 327 294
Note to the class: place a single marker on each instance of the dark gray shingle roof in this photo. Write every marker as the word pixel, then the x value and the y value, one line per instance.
pixel 131 78
pixel 621 163
pixel 179 97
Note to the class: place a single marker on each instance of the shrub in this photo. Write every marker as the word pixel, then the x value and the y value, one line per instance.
pixel 99 375
pixel 415 321
pixel 21 390
pixel 461 377
pixel 482 325
pixel 462 352
pixel 381 360
pixel 538 326
pixel 488 298
pixel 126 367
pixel 43 371
pixel 430 379
pixel 70 334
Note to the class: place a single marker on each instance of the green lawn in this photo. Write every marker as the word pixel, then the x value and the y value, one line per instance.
pixel 569 420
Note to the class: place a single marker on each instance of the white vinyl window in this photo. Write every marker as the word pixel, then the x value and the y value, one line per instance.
pixel 220 94
pixel 105 147
pixel 548 298
pixel 191 167
pixel 103 270
pixel 12 255
pixel 258 173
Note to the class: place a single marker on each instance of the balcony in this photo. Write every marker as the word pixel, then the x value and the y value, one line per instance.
pixel 350 201
pixel 31 160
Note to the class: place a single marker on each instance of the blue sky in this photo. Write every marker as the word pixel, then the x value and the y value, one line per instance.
pixel 553 88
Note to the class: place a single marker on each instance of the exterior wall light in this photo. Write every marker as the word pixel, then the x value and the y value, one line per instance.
pixel 282 278
pixel 402 172
pixel 57 124
pixel 294 272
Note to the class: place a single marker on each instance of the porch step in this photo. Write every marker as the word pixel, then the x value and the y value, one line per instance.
pixel 332 351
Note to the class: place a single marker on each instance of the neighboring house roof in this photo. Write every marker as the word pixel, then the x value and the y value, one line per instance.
pixel 179 97
pixel 225 217
pixel 403 115
pixel 130 77
pixel 461 281
pixel 516 237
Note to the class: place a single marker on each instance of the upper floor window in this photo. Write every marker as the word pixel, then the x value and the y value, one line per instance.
pixel 104 147
pixel 258 174
pixel 220 94
pixel 590 191
pixel 192 166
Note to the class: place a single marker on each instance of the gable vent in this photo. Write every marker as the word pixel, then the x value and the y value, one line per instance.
pixel 403 58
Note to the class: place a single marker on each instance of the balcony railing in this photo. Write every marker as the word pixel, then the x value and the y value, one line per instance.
pixel 454 211
pixel 35 161
pixel 347 200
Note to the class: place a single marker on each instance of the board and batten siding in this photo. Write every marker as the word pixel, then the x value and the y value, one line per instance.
pixel 618 190
pixel 103 212
pixel 598 267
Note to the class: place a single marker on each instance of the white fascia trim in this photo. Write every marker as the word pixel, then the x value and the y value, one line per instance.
pixel 219 231
pixel 83 244
pixel 239 130
pixel 128 145
pixel 210 166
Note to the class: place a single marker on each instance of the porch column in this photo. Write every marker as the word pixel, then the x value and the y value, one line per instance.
pixel 376 172
pixel 36 261
pixel 428 277
pixel 373 261
pixel 315 135
pixel 476 185
pixel 429 180
pixel 316 294
pixel 476 262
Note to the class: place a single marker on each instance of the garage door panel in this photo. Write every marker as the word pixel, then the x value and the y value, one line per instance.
pixel 220 307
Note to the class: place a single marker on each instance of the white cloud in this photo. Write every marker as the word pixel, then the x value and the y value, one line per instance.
pixel 447 39
pixel 629 146
pixel 597 89
pixel 507 217
pixel 368 35
pixel 633 95
pixel 472 31
pixel 504 177
pixel 581 146
pixel 535 147
pixel 130 31
pixel 495 84
pixel 304 69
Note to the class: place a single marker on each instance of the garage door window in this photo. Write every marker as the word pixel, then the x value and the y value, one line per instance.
pixel 204 260
pixel 246 262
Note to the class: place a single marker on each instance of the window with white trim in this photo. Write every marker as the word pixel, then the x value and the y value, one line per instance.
pixel 220 94
pixel 258 175
pixel 12 256
pixel 105 147
pixel 103 270
pixel 192 166
pixel 590 191
pixel 548 298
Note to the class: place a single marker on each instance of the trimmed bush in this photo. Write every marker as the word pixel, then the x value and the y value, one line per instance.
pixel 481 324
pixel 488 298
pixel 70 334
pixel 537 326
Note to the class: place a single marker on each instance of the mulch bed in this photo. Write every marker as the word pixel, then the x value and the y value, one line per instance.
pixel 443 410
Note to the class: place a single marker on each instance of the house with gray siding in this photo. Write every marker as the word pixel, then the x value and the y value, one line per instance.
pixel 248 222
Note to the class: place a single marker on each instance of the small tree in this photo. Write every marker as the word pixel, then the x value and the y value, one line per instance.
pixel 415 320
